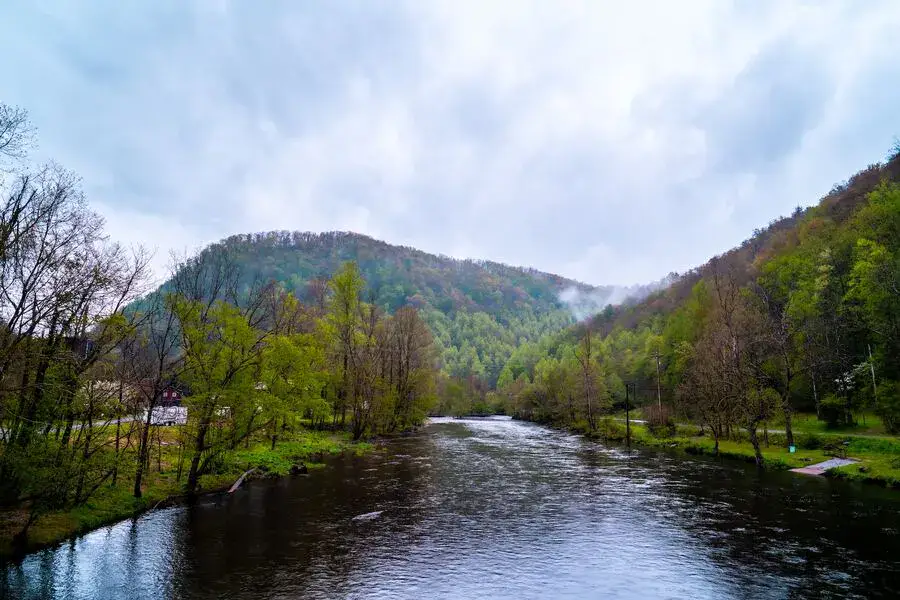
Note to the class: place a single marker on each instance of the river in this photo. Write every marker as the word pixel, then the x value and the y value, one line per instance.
pixel 493 508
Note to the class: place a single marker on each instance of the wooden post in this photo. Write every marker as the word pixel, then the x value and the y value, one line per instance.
pixel 627 417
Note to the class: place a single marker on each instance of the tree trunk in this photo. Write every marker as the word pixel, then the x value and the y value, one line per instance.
pixel 199 447
pixel 158 449
pixel 115 473
pixel 754 439
pixel 20 539
pixel 816 397
pixel 143 452
pixel 788 422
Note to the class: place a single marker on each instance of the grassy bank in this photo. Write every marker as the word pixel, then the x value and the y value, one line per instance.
pixel 161 486
pixel 879 456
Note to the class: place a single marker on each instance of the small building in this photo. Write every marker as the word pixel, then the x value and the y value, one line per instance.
pixel 170 396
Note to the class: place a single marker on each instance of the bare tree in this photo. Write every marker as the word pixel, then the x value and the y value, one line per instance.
pixel 409 362
pixel 16 132
pixel 585 355
pixel 63 293
pixel 155 360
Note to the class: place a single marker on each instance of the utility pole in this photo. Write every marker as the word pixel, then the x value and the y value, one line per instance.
pixel 627 416
pixel 658 392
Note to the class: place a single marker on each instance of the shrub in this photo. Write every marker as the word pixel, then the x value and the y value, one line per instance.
pixel 808 441
pixel 608 429
pixel 888 406
pixel 875 445
pixel 834 411
pixel 660 421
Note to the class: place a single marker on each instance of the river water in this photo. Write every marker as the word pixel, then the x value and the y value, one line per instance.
pixel 492 508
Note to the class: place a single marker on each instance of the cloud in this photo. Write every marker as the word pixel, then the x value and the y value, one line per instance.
pixel 612 143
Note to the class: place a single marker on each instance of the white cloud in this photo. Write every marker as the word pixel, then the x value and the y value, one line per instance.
pixel 609 142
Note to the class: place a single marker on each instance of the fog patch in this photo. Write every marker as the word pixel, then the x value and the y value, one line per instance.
pixel 586 302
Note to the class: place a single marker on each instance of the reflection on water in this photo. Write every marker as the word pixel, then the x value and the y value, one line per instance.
pixel 491 508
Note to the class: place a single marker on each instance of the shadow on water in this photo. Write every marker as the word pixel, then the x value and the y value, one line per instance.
pixel 501 509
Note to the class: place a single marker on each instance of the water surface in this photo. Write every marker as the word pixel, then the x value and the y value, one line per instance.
pixel 492 508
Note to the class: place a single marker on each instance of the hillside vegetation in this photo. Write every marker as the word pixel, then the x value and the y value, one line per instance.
pixel 803 316
pixel 477 311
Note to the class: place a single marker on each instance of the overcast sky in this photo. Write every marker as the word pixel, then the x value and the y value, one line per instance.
pixel 611 142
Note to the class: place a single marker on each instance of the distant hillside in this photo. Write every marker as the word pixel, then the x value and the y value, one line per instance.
pixel 399 275
pixel 782 236
pixel 479 311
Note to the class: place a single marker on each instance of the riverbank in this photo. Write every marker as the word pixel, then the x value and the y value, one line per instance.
pixel 162 486
pixel 878 456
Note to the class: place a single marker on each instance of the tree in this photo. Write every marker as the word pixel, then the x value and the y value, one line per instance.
pixel 16 132
pixel 704 389
pixel 343 325
pixel 410 366
pixel 153 363
pixel 64 292
pixel 589 381
pixel 222 358
pixel 221 341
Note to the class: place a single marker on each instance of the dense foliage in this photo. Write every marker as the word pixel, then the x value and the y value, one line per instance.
pixel 477 311
pixel 85 367
pixel 803 316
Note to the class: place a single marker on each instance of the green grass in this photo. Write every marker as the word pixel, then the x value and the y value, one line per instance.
pixel 312 444
pixel 775 457
pixel 879 455
pixel 867 424
pixel 635 413
pixel 114 503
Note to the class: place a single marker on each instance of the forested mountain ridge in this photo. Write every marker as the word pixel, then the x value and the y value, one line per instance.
pixel 478 311
pixel 398 275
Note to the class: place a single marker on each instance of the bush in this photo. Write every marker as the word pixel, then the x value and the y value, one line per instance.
pixel 660 421
pixel 610 430
pixel 779 440
pixel 875 445
pixel 834 411
pixel 888 406
pixel 808 441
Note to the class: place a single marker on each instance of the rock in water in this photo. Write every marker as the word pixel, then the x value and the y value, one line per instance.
pixel 367 516
pixel 299 469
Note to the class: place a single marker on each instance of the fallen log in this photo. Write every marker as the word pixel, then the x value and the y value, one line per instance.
pixel 240 480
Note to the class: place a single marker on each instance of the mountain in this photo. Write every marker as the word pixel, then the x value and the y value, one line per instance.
pixel 836 211
pixel 478 311
pixel 399 275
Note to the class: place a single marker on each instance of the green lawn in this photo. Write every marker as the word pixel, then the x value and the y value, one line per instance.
pixel 878 453
pixel 113 503
pixel 867 424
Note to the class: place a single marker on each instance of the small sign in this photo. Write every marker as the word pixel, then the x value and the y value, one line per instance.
pixel 792 449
